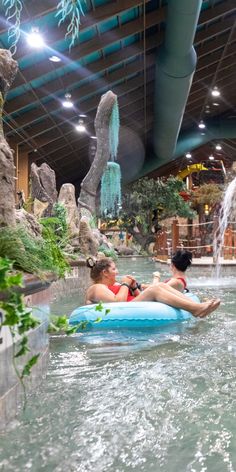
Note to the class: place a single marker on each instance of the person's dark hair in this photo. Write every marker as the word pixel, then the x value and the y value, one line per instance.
pixel 97 266
pixel 182 259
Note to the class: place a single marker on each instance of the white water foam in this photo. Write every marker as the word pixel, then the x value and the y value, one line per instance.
pixel 227 213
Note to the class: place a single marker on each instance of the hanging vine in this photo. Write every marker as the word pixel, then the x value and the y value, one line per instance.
pixel 70 10
pixel 13 15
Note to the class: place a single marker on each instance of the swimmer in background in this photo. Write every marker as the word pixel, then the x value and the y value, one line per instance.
pixel 180 262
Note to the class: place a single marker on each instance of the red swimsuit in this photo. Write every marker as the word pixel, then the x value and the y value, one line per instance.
pixel 116 288
pixel 179 278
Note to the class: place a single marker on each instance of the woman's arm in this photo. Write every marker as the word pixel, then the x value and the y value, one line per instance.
pixel 176 283
pixel 101 293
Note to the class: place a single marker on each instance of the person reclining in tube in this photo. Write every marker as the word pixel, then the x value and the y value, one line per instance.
pixel 181 260
pixel 106 289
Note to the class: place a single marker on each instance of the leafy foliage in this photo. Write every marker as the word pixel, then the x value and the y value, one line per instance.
pixel 17 317
pixel 33 255
pixel 70 10
pixel 209 194
pixel 108 252
pixel 57 223
pixel 147 195
pixel 13 15
pixel 60 324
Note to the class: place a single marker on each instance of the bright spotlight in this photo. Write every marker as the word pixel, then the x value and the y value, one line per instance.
pixel 201 125
pixel 80 127
pixel 34 38
pixel 54 59
pixel 215 92
pixel 67 103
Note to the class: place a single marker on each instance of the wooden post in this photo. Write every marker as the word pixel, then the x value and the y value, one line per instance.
pixel 228 242
pixel 175 235
pixel 164 244
pixel 234 241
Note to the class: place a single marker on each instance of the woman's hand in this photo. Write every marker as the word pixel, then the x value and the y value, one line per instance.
pixel 128 279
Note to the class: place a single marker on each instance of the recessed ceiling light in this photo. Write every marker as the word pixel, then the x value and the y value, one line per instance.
pixel 188 155
pixel 80 127
pixel 201 125
pixel 54 59
pixel 203 134
pixel 35 39
pixel 215 92
pixel 93 137
pixel 218 147
pixel 216 104
pixel 211 158
pixel 67 102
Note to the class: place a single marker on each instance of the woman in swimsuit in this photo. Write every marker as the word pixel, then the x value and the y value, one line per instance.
pixel 106 289
pixel 180 262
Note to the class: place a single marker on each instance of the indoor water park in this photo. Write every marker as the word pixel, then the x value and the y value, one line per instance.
pixel 117 236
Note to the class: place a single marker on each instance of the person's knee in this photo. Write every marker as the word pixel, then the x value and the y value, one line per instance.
pixel 160 285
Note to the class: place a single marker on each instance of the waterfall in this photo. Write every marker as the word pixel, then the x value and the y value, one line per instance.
pixel 227 214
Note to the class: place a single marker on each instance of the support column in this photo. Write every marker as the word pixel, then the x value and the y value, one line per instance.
pixel 22 182
pixel 21 161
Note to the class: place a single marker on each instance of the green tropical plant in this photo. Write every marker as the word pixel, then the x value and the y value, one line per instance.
pixel 17 318
pixel 30 254
pixel 57 224
pixel 108 252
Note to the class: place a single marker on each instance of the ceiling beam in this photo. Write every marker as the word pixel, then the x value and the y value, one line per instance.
pixel 53 105
pixel 72 78
pixel 83 144
pixel 91 19
pixel 57 87
pixel 131 86
pixel 97 86
pixel 94 45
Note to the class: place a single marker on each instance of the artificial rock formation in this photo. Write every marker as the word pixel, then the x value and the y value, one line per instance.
pixel 43 188
pixel 89 185
pixel 87 241
pixel 67 199
pixel 28 222
pixel 8 70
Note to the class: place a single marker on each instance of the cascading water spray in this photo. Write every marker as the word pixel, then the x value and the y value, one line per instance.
pixel 227 213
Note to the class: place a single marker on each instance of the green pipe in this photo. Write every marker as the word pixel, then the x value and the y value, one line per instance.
pixel 192 139
pixel 175 66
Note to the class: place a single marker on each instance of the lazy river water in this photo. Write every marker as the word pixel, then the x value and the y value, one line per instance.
pixel 135 401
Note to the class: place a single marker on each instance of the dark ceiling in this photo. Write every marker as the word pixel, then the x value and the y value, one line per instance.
pixel 115 50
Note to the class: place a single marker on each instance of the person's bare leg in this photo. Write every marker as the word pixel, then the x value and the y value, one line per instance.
pixel 170 289
pixel 171 297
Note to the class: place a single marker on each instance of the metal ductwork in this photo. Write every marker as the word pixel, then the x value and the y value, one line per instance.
pixel 194 138
pixel 175 66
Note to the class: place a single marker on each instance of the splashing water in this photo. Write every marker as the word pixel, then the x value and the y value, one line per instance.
pixel 227 213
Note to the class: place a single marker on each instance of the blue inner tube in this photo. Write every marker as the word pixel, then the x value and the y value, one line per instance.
pixel 129 315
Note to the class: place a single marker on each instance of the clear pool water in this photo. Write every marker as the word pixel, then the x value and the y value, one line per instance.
pixel 135 401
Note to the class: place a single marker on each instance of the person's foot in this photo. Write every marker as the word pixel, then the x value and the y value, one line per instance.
pixel 206 308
